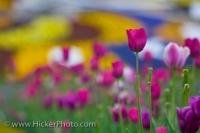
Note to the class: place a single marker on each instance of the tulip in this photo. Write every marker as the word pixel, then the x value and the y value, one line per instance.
pixel 99 49
pixel 155 90
pixel 133 114
pixel 105 78
pixel 146 119
pixel 117 69
pixel 70 100
pixel 33 87
pixel 187 120
pixel 194 46
pixel 47 101
pixel 137 39
pixel 83 96
pixel 65 53
pixel 195 104
pixel 119 111
pixel 161 129
pixel 148 56
pixel 84 77
pixel 175 56
pixel 94 63
pixel 161 75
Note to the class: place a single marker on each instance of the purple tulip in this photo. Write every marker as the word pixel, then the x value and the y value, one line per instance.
pixel 195 104
pixel 119 111
pixel 137 39
pixel 187 120
pixel 70 100
pixel 175 56
pixel 117 68
pixel 146 119
pixel 194 46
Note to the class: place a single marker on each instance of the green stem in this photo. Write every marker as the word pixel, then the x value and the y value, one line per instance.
pixel 149 97
pixel 138 93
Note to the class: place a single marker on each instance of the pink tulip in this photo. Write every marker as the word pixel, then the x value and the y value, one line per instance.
pixel 133 114
pixel 117 68
pixel 161 129
pixel 175 56
pixel 105 78
pixel 137 39
pixel 83 95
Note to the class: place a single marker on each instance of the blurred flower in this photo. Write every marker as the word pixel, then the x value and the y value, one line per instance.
pixel 78 68
pixel 146 119
pixel 129 74
pixel 188 121
pixel 33 87
pixel 99 49
pixel 133 114
pixel 105 78
pixel 124 97
pixel 137 39
pixel 119 111
pixel 194 46
pixel 65 53
pixel 70 100
pixel 161 129
pixel 94 63
pixel 175 56
pixel 148 56
pixel 60 101
pixel 85 77
pixel 117 68
pixel 83 96
pixel 155 90
pixel 161 75
pixel 47 101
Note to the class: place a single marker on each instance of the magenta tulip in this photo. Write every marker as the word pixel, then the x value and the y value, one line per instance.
pixel 137 39
pixel 117 68
pixel 194 46
pixel 133 114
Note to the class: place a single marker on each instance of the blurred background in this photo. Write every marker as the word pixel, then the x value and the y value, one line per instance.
pixel 30 29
